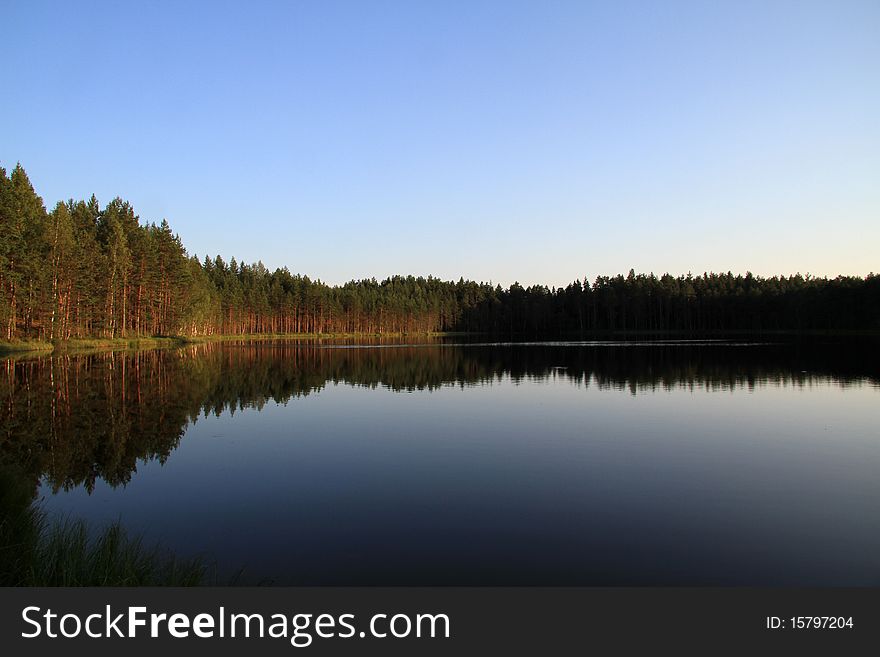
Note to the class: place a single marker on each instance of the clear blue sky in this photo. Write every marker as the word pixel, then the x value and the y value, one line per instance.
pixel 531 141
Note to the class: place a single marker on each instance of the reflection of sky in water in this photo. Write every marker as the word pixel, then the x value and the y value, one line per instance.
pixel 543 480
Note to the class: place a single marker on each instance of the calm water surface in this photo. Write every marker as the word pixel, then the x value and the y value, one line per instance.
pixel 544 463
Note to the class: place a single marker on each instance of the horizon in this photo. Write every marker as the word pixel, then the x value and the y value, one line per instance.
pixel 382 140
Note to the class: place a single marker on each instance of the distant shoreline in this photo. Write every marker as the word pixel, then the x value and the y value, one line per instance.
pixel 87 345
pixel 160 342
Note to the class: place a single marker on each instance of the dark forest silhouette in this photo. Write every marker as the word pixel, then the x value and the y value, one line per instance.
pixel 84 271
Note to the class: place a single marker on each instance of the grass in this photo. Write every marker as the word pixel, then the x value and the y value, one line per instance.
pixel 91 344
pixel 16 346
pixel 113 344
pixel 66 555
pixel 309 336
pixel 158 342
pixel 19 526
pixel 37 551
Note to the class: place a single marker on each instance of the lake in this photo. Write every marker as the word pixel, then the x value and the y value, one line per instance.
pixel 462 463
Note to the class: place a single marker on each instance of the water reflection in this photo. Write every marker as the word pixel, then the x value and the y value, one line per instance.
pixel 468 464
pixel 74 419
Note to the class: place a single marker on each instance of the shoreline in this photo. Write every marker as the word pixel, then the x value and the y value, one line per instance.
pixel 78 345
pixel 86 345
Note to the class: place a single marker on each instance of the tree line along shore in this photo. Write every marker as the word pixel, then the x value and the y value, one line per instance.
pixel 83 274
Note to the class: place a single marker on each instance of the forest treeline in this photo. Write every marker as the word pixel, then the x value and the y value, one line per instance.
pixel 82 270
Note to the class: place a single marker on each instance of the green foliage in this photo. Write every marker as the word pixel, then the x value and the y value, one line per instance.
pixel 67 555
pixel 19 524
pixel 37 552
pixel 84 272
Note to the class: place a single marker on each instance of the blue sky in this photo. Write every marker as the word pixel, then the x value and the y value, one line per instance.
pixel 529 141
